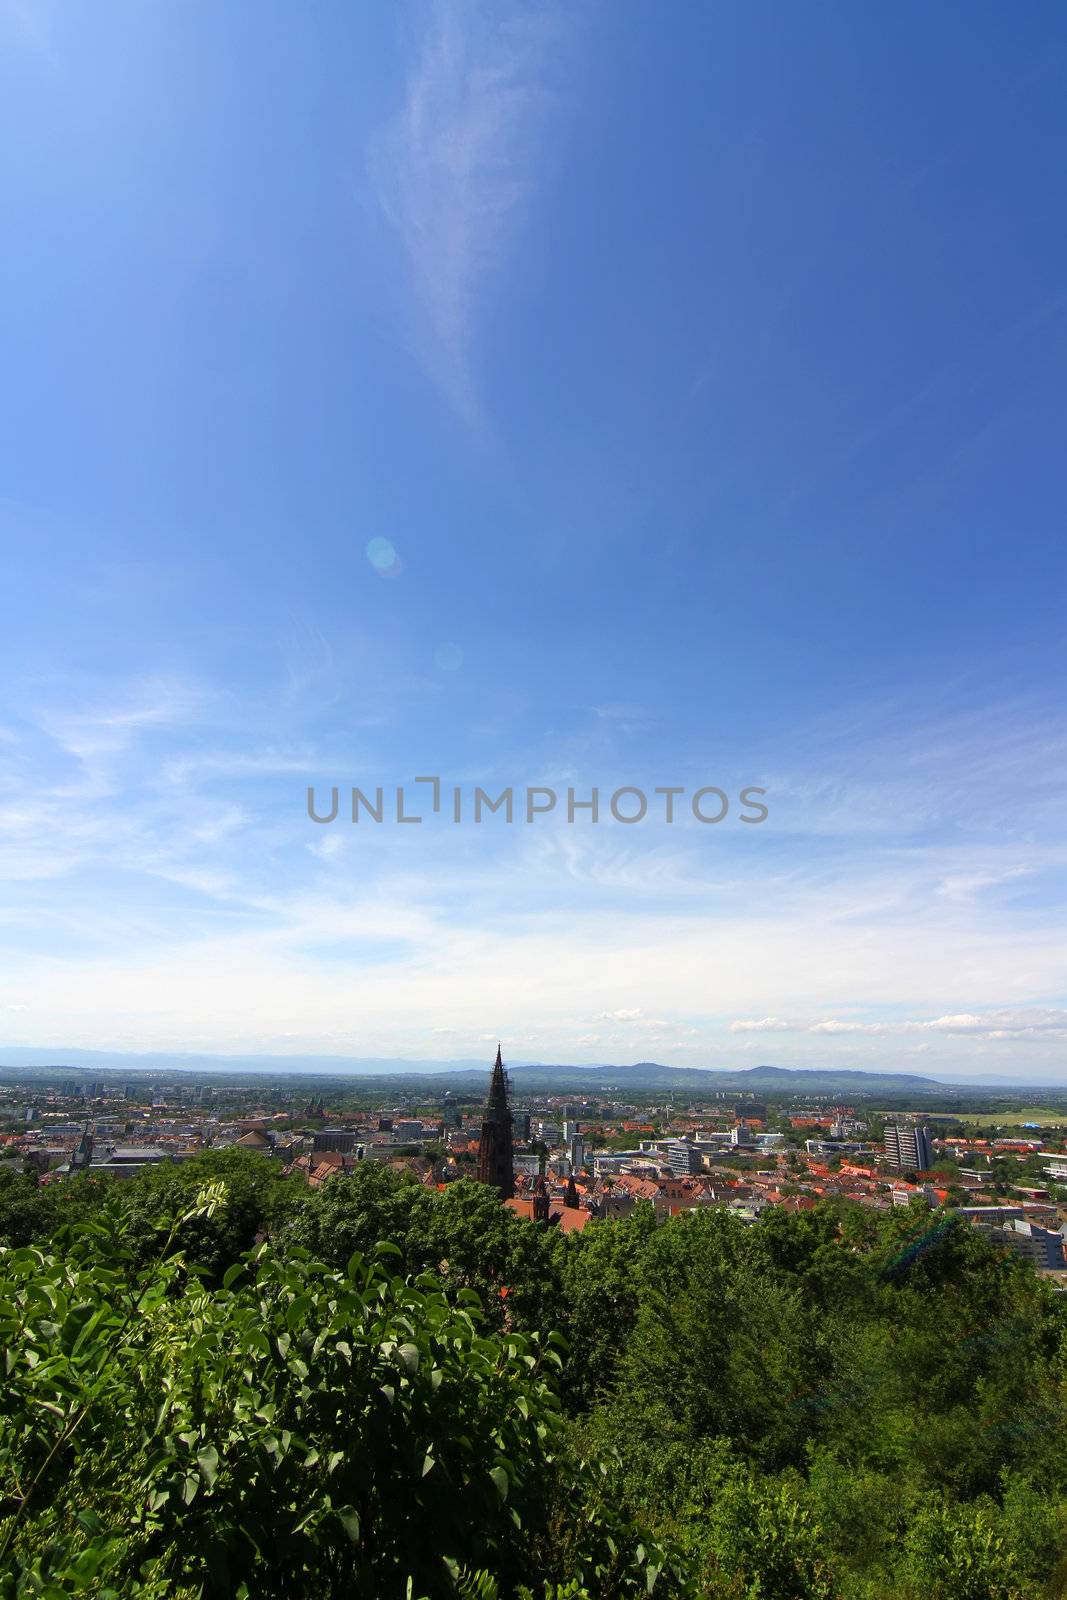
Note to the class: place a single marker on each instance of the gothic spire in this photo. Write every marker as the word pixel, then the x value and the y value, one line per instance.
pixel 495 1164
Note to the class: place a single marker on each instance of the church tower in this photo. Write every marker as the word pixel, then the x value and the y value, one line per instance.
pixel 495 1164
pixel 540 1208
pixel 84 1153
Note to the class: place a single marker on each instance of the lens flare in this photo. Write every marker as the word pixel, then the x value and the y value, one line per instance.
pixel 382 555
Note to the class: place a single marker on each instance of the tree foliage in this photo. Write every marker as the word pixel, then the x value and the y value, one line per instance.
pixel 295 1429
pixel 218 1383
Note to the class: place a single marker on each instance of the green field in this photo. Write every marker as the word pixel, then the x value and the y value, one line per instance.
pixel 1044 1115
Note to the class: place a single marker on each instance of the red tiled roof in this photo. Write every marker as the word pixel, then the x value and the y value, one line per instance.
pixel 566 1218
pixel 640 1188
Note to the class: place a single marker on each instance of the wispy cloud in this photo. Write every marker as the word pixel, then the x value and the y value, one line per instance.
pixel 455 169
pixel 174 816
pixel 97 730
pixel 1020 1024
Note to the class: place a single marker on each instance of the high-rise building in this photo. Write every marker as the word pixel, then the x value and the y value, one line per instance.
pixel 908 1146
pixel 342 1139
pixel 683 1158
pixel 495 1165
pixel 1043 1247
pixel 577 1152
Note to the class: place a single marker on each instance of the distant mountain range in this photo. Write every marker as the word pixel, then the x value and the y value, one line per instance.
pixel 466 1075
pixel 654 1075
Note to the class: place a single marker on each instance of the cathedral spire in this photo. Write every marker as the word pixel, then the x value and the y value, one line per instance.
pixel 84 1153
pixel 495 1165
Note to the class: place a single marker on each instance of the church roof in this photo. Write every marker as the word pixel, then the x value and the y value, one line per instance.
pixel 565 1218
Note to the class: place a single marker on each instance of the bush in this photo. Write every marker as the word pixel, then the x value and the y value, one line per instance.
pixel 297 1430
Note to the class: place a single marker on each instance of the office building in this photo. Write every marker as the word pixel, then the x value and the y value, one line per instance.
pixel 908 1147
pixel 334 1139
pixel 683 1158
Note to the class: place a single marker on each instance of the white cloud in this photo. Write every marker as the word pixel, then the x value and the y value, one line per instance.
pixel 834 1026
pixel 198 876
pixel 966 886
pixel 90 733
pixel 455 169
pixel 1022 1023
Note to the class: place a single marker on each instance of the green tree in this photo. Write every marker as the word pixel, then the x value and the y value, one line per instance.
pixel 294 1430
pixel 27 1208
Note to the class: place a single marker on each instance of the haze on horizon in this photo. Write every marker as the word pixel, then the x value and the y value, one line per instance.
pixel 536 395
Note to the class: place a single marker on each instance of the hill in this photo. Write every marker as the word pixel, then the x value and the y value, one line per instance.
pixel 433 1076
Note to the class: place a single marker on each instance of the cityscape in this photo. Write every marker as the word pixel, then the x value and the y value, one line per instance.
pixel 533 800
pixel 564 1162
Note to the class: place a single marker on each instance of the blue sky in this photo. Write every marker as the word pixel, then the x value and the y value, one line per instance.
pixel 703 367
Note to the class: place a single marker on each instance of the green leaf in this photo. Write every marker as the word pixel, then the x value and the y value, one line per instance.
pixel 86 1565
pixel 409 1355
pixel 207 1460
pixel 500 1480
pixel 349 1519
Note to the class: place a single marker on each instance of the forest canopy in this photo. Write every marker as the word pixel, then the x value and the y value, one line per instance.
pixel 219 1383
